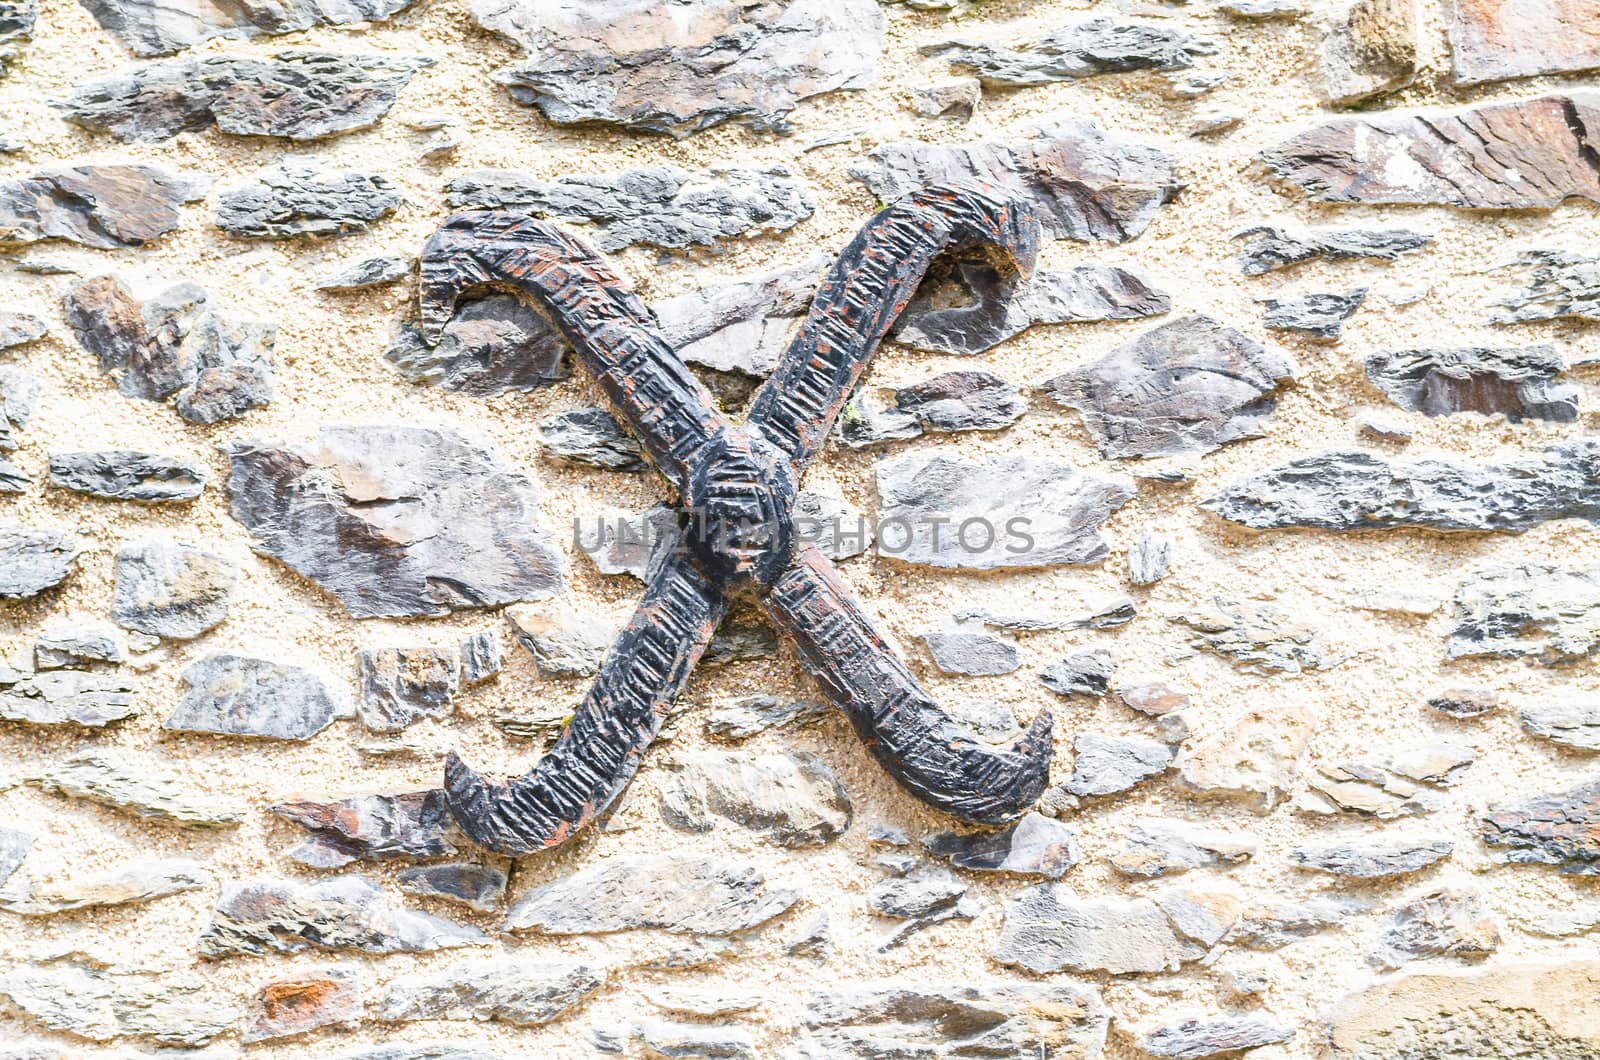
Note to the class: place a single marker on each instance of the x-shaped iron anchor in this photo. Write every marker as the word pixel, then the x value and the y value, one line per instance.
pixel 732 479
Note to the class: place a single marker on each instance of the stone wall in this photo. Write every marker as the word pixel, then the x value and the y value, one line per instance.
pixel 1297 401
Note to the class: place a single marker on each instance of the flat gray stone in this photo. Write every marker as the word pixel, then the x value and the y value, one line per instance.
pixel 1084 184
pixel 972 654
pixel 149 27
pixel 337 913
pixel 920 895
pixel 479 887
pixel 1083 49
pixel 14 846
pixel 1373 858
pixel 1257 638
pixel 413 826
pixel 1264 10
pixel 65 697
pixel 33 560
pixel 1272 247
pixel 953 401
pixel 675 1039
pixel 133 883
pixel 791 798
pixel 1049 928
pixel 646 69
pixel 1518 383
pixel 1034 846
pixel 1271 923
pixel 402 686
pixel 492 345
pixel 1317 316
pixel 562 643
pixel 1465 703
pixel 1182 389
pixel 19 396
pixel 1541 613
pixel 520 991
pixel 1571 723
pixel 1500 42
pixel 396 521
pixel 590 436
pixel 1528 154
pixel 236 695
pixel 1105 765
pixel 1558 828
pixel 1354 490
pixel 299 95
pixel 169 589
pixel 662 206
pixel 1205 1036
pixel 300 199
pixel 137 785
pixel 955 98
pixel 742 718
pixel 1149 558
pixel 1083 673
pixel 1017 511
pixel 1447 922
pixel 128 475
pixel 19 329
pixel 967 307
pixel 369 272
pixel 1561 286
pixel 481 657
pixel 743 324
pixel 689 894
pixel 77 995
pixel 1160 847
pixel 95 206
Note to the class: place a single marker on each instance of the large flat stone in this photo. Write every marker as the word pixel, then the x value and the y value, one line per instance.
pixel 1081 49
pixel 1499 40
pixel 1050 928
pixel 520 991
pixel 136 785
pixel 236 695
pixel 65 697
pixel 91 1000
pixel 1559 828
pixel 95 206
pixel 793 798
pixel 1541 613
pixel 171 589
pixel 303 199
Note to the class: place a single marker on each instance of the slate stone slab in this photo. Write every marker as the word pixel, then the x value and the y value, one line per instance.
pixel 481 658
pixel 95 206
pixel 972 654
pixel 1049 928
pixel 1355 490
pixel 479 887
pixel 1185 388
pixel 1571 723
pixel 520 991
pixel 19 329
pixel 1559 828
pixel 1019 512
pixel 1271 247
pixel 1518 383
pixel 744 717
pixel 1561 285
pixel 161 27
pixel 1033 846
pixel 237 695
pixel 1523 155
pixel 1369 48
pixel 1542 613
pixel 299 95
pixel 1257 637
pixel 742 324
pixel 19 396
pixel 590 436
pixel 299 1005
pixel 791 798
pixel 132 883
pixel 491 345
pixel 1105 765
pixel 300 199
pixel 1083 49
pixel 33 559
pixel 136 785
pixel 1317 316
pixel 678 70
pixel 1163 847
pixel 1507 40
pixel 414 826
pixel 14 846
pixel 1199 1037
pixel 662 206
pixel 91 1000
pixel 369 272
pixel 952 401
pixel 65 697
pixel 1084 184
pixel 1375 858
pixel 1084 673
pixel 128 475
pixel 402 686
pixel 170 589
pixel 395 521
pixel 1448 922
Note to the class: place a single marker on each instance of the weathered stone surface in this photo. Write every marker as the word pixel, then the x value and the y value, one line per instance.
pixel 1542 613
pixel 174 345
pixel 1542 1010
pixel 1033 846
pixel 521 991
pixel 972 654
pixel 402 686
pixel 1019 512
pixel 1353 490
pixel 919 894
pixel 426 1051
pixel 1317 316
pixel 238 695
pixel 1273 923
pixel 1254 760
pixel 791 798
pixel 14 846
pixel 741 325
pixel 65 697
pixel 955 97
pixel 1450 922
pixel 1516 382
pixel 662 206
pixel 1263 10
pixel 839 529
pixel 291 1007
pixel 562 642
pixel 1394 787
pixel 1158 847
pixel 590 436
pixel 301 95
pixel 1560 829
pixel 1522 155
pixel 962 1020
pixel 114 778
pixel 130 884
pixel 1155 699
pixel 1084 673
pixel 169 589
pixel 1498 40
pixel 412 826
pixel 662 70
pixel 685 893
pixel 1105 765
pixel 481 657
pixel 674 1039
pixel 1149 558
pixel 1203 1036
pixel 19 396
pixel 1561 285
pixel 1277 247
pixel 1463 703
pixel 1257 638
pixel 127 475
pixel 89 999
pixel 953 401
pixel 369 272
pixel 1369 49
pixel 1084 49
pixel 480 887
pixel 1570 723
pixel 621 542
pixel 339 913
pixel 19 329
pixel 395 521
pixel 96 206
pixel 1085 185
pixel 17 19
pixel 744 717
pixel 1184 388
pixel 1048 928
pixel 491 345
pixel 146 27
pixel 301 199
pixel 1373 858
pixel 33 560
pixel 966 307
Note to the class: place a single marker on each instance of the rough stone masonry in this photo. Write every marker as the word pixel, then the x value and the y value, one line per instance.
pixel 1299 404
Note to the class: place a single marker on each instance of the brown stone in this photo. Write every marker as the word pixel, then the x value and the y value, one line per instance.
pixel 97 206
pixel 1497 40
pixel 302 1004
pixel 1370 49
